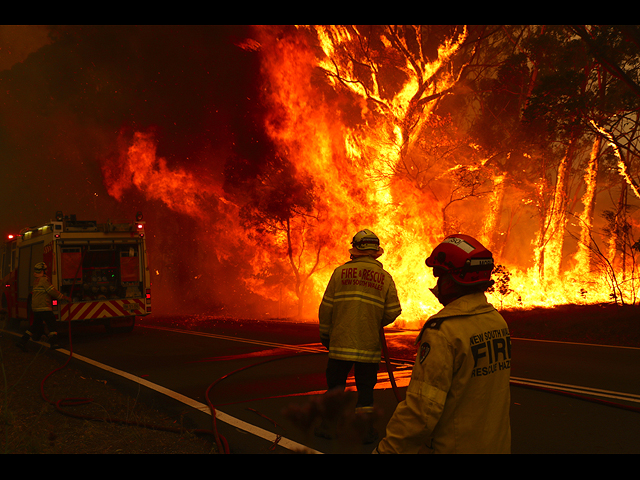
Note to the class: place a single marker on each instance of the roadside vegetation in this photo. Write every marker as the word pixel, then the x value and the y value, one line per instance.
pixel 28 424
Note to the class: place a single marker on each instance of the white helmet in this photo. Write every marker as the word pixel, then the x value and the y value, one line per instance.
pixel 40 267
pixel 365 242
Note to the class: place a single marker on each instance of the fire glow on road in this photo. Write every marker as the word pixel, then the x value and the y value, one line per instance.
pixel 402 372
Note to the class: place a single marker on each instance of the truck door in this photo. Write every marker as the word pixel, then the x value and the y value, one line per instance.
pixel 29 255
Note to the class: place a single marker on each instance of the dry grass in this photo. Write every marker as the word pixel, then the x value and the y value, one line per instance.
pixel 28 424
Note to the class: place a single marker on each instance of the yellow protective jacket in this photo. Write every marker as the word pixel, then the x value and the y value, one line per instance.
pixel 361 297
pixel 458 398
pixel 42 294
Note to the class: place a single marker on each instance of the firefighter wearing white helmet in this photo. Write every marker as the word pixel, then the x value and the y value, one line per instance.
pixel 360 299
pixel 459 396
pixel 41 306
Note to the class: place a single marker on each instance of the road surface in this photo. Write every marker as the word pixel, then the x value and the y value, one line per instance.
pixel 255 371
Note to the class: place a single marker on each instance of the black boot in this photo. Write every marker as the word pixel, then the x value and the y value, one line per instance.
pixel 53 341
pixel 366 416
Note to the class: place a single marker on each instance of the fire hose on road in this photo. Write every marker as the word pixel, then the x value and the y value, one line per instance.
pixel 67 402
pixel 222 443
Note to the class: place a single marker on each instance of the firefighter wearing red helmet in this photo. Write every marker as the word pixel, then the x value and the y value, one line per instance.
pixel 359 300
pixel 458 398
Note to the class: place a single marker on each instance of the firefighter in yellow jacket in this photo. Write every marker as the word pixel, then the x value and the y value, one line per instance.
pixel 458 398
pixel 359 300
pixel 41 306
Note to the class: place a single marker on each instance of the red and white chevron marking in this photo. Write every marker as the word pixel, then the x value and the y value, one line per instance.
pixel 102 309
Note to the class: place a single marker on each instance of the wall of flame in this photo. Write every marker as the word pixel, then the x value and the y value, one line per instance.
pixel 152 123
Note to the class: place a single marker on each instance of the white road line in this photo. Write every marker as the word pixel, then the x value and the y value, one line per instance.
pixel 595 392
pixel 574 343
pixel 290 444
pixel 242 425
pixel 247 427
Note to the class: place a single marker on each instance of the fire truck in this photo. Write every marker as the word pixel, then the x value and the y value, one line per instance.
pixel 102 267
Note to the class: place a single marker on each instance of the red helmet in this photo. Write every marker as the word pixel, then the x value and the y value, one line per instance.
pixel 462 256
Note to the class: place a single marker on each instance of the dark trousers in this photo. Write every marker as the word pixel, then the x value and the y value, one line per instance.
pixel 36 330
pixel 366 375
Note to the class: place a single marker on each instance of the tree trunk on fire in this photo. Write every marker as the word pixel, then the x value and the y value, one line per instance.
pixel 583 257
pixel 617 241
pixel 492 225
pixel 302 278
pixel 551 236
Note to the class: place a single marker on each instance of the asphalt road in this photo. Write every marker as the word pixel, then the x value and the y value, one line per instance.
pixel 254 372
pixel 550 423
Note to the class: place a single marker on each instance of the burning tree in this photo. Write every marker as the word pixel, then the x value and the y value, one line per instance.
pixel 349 104
pixel 591 90
pixel 280 216
pixel 503 132
pixel 439 121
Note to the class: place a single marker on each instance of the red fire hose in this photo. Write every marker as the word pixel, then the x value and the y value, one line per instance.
pixel 65 402
pixel 44 397
pixel 221 442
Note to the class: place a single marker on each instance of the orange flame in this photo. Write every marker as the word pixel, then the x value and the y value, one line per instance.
pixel 352 137
pixel 355 159
pixel 141 168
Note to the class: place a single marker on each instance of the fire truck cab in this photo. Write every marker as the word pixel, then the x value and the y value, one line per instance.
pixel 103 267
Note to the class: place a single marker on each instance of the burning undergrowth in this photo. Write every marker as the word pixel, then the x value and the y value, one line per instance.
pixel 362 129
pixel 254 180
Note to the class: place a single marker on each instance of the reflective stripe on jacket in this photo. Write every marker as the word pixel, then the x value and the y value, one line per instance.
pixel 42 294
pixel 361 297
pixel 458 398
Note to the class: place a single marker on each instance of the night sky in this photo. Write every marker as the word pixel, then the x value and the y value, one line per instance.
pixel 70 94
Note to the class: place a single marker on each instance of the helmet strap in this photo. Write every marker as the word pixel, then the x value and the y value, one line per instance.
pixel 446 290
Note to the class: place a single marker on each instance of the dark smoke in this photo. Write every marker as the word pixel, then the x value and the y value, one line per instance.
pixel 71 97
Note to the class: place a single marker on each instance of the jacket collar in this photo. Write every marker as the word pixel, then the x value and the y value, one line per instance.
pixel 472 304
pixel 367 259
pixel 468 305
